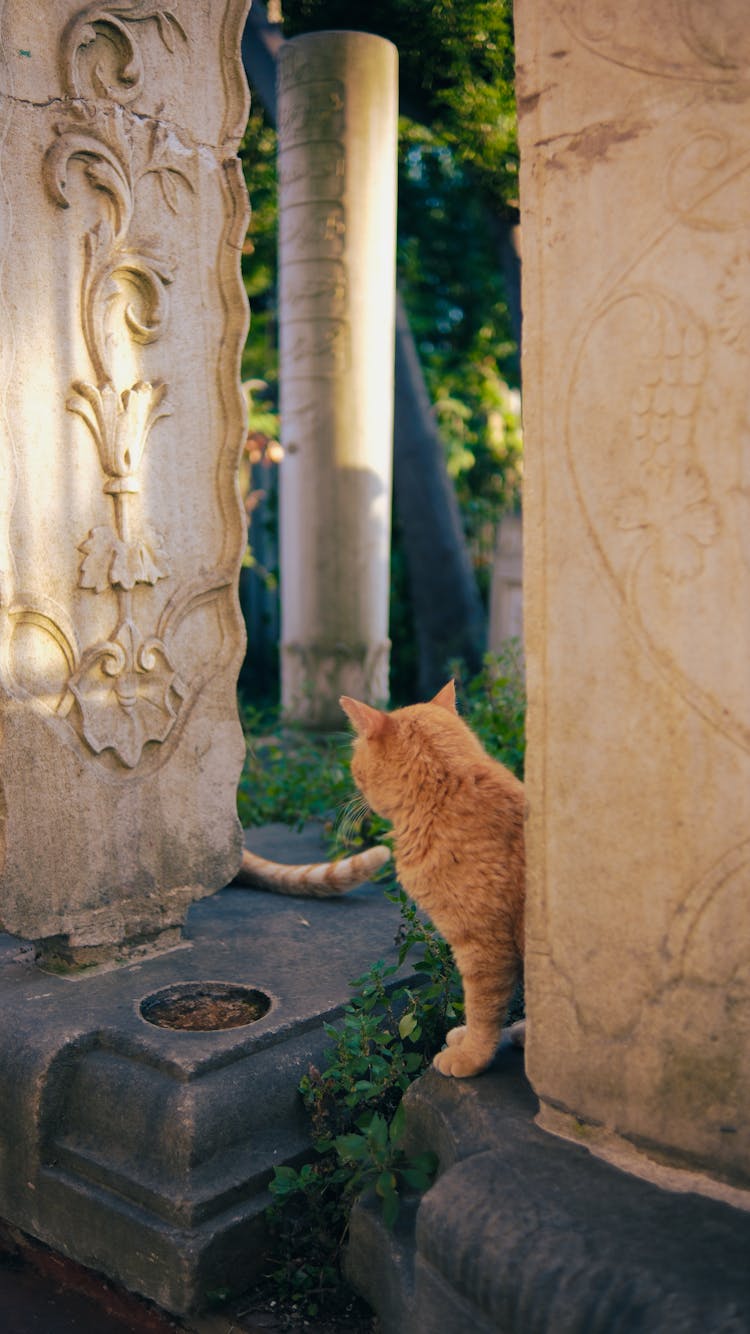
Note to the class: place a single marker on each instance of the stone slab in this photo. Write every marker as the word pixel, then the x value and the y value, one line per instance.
pixel 122 215
pixel 145 1153
pixel 634 130
pixel 525 1233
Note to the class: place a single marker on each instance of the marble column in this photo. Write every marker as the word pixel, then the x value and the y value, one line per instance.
pixel 122 214
pixel 337 112
pixel 635 193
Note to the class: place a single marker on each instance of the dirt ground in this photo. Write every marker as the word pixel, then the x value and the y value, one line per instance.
pixel 264 1315
pixel 41 1292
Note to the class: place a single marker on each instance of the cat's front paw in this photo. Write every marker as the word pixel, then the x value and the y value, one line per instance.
pixel 455 1035
pixel 459 1062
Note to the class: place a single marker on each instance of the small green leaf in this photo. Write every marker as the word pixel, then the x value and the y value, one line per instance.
pixel 406 1025
pixel 284 1182
pixel 398 1124
pixel 351 1148
pixel 385 1184
pixel 377 1131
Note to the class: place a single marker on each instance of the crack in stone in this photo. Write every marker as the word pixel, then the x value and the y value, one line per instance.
pixel 140 117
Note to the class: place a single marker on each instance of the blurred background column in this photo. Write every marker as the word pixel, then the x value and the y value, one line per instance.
pixel 337 124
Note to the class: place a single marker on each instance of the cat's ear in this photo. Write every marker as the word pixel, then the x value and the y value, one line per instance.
pixel 366 721
pixel 446 697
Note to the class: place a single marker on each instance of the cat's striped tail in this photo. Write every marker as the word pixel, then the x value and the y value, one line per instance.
pixel 316 880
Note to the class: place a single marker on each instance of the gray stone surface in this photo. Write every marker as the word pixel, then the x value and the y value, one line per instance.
pixel 143 1152
pixel 525 1233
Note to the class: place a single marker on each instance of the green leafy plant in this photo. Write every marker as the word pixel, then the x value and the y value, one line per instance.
pixel 389 1032
pixel 494 704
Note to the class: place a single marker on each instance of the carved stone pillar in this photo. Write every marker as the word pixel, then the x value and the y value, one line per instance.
pixel 635 191
pixel 122 210
pixel 337 114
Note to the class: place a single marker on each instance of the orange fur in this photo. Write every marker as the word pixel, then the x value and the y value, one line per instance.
pixel 316 880
pixel 458 822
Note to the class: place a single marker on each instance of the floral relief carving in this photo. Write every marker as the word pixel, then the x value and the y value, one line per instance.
pixel 126 688
pixel 128 693
pixel 675 513
pixel 677 516
pixel 120 424
pixel 117 155
pixel 111 562
pixel 664 519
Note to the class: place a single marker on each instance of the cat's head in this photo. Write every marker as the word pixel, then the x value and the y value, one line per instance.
pixel 393 751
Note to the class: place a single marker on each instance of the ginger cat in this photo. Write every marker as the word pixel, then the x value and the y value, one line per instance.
pixel 458 822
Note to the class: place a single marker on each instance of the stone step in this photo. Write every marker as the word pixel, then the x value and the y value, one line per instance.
pixel 525 1233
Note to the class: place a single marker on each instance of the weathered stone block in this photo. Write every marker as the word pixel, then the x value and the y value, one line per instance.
pixel 121 217
pixel 635 129
pixel 145 1152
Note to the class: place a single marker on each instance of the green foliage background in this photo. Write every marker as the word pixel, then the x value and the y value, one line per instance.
pixel 458 172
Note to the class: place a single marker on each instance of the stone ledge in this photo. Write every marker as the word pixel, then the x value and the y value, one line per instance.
pixel 525 1233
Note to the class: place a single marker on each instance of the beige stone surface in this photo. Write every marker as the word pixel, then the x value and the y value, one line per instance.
pixel 635 192
pixel 337 192
pixel 122 316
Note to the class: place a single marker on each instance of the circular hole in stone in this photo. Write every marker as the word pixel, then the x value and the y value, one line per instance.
pixel 205 1007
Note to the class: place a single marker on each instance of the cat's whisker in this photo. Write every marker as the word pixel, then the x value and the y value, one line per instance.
pixel 350 818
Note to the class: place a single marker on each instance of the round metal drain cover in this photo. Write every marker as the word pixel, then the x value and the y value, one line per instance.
pixel 205 1007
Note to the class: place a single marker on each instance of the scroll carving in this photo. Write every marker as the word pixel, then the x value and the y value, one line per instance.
pixel 112 23
pixel 685 39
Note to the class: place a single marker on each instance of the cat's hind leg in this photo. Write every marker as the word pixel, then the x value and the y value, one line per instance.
pixel 487 992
